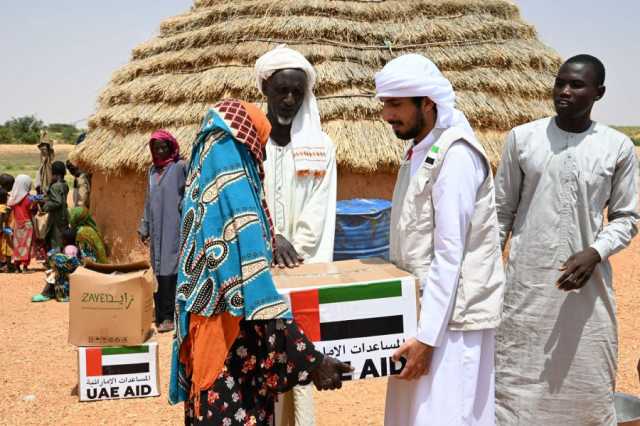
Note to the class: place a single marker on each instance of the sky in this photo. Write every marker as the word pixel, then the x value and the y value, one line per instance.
pixel 58 55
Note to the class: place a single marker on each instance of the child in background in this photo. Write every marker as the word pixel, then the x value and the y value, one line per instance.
pixel 69 239
pixel 5 233
pixel 22 207
pixel 6 182
pixel 55 203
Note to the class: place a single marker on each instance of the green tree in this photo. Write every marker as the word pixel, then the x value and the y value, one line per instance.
pixel 67 132
pixel 6 136
pixel 25 130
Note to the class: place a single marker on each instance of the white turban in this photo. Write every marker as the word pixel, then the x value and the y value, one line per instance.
pixel 307 137
pixel 414 75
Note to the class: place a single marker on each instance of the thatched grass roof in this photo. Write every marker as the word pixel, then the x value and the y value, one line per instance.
pixel 502 74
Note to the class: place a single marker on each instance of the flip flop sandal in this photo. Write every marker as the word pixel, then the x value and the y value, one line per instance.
pixel 40 298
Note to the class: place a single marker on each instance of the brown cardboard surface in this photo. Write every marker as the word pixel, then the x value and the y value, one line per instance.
pixel 107 268
pixel 110 309
pixel 120 385
pixel 342 272
pixel 350 329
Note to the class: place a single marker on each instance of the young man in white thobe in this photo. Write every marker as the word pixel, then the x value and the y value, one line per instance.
pixel 444 231
pixel 300 183
pixel 556 351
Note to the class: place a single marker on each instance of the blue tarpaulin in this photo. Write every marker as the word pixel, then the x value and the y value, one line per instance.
pixel 362 229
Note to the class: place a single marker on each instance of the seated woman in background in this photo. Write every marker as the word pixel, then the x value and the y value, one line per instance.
pixel 236 346
pixel 88 239
pixel 84 237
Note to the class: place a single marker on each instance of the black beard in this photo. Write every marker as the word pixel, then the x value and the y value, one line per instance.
pixel 414 131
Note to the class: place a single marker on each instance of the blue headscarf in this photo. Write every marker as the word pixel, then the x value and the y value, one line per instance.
pixel 225 247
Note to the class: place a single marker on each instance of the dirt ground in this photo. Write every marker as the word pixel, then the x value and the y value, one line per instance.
pixel 36 361
pixel 19 159
pixel 38 367
pixel 25 150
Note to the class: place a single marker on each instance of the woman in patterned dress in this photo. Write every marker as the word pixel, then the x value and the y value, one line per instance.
pixel 236 346
pixel 91 247
pixel 22 209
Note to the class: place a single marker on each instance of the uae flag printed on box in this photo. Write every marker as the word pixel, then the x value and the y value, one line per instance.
pixel 113 372
pixel 110 361
pixel 359 323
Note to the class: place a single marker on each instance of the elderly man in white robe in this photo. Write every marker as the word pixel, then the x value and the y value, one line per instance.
pixel 300 183
pixel 556 353
pixel 444 231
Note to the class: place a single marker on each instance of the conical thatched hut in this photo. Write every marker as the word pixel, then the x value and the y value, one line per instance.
pixel 501 72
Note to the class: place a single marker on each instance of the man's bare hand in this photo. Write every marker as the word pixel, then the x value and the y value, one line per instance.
pixel 578 269
pixel 285 255
pixel 418 356
pixel 328 375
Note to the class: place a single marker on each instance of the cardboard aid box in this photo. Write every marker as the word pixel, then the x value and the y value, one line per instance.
pixel 111 308
pixel 114 372
pixel 359 311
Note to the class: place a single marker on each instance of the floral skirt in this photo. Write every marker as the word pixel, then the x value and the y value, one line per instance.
pixel 22 242
pixel 267 358
pixel 62 266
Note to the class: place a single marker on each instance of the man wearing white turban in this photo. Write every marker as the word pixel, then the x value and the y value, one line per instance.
pixel 300 182
pixel 444 231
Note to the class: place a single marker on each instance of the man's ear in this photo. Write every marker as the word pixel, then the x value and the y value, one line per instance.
pixel 266 85
pixel 427 104
pixel 601 91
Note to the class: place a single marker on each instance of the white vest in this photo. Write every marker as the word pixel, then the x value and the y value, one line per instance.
pixel 478 300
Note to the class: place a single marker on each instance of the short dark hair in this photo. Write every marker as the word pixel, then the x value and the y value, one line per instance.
pixel 593 62
pixel 71 167
pixel 417 100
pixel 58 168
pixel 69 237
pixel 6 181
pixel 4 195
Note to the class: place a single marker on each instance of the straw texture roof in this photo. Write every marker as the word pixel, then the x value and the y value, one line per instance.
pixel 502 74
